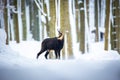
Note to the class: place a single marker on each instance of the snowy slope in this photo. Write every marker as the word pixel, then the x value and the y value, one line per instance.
pixel 62 70
pixel 17 62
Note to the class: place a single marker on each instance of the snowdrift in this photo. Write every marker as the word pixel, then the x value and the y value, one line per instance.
pixel 21 64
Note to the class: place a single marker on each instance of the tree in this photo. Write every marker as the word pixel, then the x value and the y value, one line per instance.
pixel 99 20
pixel 24 20
pixel 87 2
pixel 27 19
pixel 77 20
pixel 65 26
pixel 87 9
pixel 52 18
pixel 82 26
pixel 96 22
pixel 52 21
pixel 115 37
pixel 6 21
pixel 34 26
pixel 2 7
pixel 107 20
pixel 16 27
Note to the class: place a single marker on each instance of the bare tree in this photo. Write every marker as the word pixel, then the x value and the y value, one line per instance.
pixel 115 37
pixel 107 20
pixel 52 21
pixel 65 25
pixel 24 29
pixel 16 27
pixel 6 21
pixel 96 22
pixel 82 26
pixel 77 20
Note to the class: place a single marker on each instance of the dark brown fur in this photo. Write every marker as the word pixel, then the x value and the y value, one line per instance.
pixel 55 44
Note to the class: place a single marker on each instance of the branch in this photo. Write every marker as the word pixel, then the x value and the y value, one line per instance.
pixel 38 5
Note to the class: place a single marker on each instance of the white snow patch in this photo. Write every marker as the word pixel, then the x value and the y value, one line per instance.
pixel 2 36
pixel 98 53
pixel 28 49
pixel 99 65
pixel 43 19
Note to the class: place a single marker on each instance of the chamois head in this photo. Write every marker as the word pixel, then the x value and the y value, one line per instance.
pixel 60 37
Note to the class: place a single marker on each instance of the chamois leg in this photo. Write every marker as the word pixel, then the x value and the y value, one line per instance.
pixel 59 54
pixel 46 54
pixel 41 51
pixel 56 54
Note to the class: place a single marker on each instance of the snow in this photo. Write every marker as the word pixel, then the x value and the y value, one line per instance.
pixel 43 19
pixel 18 62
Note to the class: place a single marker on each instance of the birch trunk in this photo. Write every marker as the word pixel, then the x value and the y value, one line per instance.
pixel 65 26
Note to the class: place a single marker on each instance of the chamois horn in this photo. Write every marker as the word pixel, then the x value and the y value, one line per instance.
pixel 59 31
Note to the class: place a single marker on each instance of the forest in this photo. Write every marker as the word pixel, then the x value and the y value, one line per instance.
pixel 90 30
pixel 82 22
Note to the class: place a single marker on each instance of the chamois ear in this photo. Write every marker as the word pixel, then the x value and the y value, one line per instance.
pixel 60 35
pixel 59 31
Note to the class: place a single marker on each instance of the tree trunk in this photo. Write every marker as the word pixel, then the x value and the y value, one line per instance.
pixel 47 21
pixel 27 15
pixel 82 27
pixel 77 20
pixel 99 14
pixel 16 28
pixel 34 25
pixel 87 9
pixel 96 21
pixel 53 18
pixel 87 26
pixel 111 35
pixel 115 26
pixel 20 25
pixel 6 21
pixel 78 25
pixel 107 20
pixel 24 29
pixel 65 26
pixel 52 22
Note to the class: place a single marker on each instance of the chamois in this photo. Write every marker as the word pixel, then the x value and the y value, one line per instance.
pixel 55 43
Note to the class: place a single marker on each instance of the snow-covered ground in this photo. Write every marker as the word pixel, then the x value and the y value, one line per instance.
pixel 18 62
